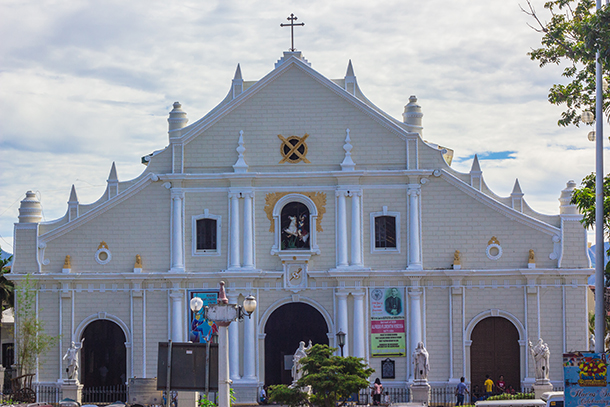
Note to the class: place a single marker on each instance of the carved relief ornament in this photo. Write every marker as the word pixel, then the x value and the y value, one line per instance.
pixel 318 198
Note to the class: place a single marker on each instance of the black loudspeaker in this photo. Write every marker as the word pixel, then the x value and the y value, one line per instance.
pixel 187 370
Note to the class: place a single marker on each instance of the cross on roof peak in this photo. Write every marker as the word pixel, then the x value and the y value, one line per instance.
pixel 292 24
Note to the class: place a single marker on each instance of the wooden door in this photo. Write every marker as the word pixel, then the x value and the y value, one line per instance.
pixel 495 351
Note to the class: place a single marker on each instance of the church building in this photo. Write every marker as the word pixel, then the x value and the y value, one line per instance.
pixel 337 217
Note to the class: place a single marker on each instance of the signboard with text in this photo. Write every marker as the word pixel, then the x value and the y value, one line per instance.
pixel 586 379
pixel 387 322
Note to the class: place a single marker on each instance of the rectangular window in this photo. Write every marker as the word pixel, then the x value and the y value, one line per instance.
pixel 206 234
pixel 385 232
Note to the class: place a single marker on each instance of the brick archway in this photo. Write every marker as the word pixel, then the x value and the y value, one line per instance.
pixel 104 354
pixel 285 328
pixel 495 350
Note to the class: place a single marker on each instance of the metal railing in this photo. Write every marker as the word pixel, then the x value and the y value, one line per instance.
pixel 105 395
pixel 47 393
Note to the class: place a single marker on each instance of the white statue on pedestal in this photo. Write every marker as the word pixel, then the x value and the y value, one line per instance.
pixel 72 356
pixel 421 366
pixel 296 361
pixel 541 353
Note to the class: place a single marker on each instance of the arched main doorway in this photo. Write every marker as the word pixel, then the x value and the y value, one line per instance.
pixel 494 352
pixel 285 328
pixel 103 358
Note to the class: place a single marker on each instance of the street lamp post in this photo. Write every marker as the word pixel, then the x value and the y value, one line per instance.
pixel 341 340
pixel 223 314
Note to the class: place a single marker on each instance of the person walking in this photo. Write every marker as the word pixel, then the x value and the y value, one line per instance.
pixel 461 391
pixel 489 387
pixel 377 391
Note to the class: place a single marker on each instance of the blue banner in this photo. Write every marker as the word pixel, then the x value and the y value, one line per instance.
pixel 200 329
pixel 586 379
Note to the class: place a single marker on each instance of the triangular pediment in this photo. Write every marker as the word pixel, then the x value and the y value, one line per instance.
pixel 293 101
pixel 290 64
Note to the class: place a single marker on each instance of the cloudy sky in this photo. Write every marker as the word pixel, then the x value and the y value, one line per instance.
pixel 86 83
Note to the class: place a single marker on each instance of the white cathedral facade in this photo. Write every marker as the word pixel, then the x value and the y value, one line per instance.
pixel 337 217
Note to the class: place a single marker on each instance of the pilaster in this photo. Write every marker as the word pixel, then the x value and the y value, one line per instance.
pixel 341 228
pixel 413 192
pixel 358 326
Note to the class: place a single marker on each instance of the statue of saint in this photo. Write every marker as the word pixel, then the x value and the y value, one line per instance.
pixel 457 258
pixel 532 257
pixel 138 264
pixel 296 361
pixel 540 352
pixel 72 356
pixel 421 367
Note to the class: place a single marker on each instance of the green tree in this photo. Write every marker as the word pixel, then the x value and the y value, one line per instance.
pixel 332 379
pixel 7 298
pixel 584 199
pixel 592 328
pixel 7 290
pixel 571 37
pixel 31 341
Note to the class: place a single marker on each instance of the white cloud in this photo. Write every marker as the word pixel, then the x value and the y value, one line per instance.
pixel 86 83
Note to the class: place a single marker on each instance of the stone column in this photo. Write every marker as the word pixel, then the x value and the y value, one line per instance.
pixel 249 348
pixel 358 326
pixel 234 249
pixel 224 382
pixel 356 240
pixel 177 235
pixel 342 319
pixel 414 236
pixel 415 321
pixel 341 230
pixel 234 343
pixel 177 324
pixel 248 221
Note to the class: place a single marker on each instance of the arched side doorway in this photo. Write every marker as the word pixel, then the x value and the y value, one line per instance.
pixel 103 357
pixel 495 351
pixel 285 328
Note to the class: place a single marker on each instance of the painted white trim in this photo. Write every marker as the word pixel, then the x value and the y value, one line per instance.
pixel 207 252
pixel 95 212
pixel 287 300
pixel 206 122
pixel 80 329
pixel 493 256
pixel 396 216
pixel 498 206
pixel 98 255
pixel 313 218
pixel 495 313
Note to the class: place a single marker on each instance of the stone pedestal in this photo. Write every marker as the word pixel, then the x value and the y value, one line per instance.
pixel 72 389
pixel 541 387
pixel 188 398
pixel 420 392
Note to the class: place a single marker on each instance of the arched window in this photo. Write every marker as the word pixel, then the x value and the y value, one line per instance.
pixel 295 227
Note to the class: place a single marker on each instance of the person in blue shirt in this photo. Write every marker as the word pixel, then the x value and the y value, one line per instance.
pixel 461 391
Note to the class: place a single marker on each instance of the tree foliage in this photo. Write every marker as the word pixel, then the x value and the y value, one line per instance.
pixel 607 328
pixel 7 298
pixel 332 379
pixel 572 36
pixel 31 340
pixel 584 199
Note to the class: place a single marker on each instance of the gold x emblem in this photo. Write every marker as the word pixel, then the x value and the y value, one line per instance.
pixel 293 149
pixel 296 274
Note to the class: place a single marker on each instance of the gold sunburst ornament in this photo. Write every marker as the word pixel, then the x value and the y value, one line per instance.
pixel 293 149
